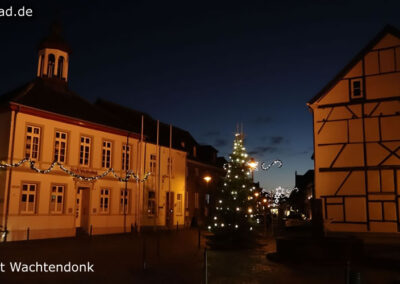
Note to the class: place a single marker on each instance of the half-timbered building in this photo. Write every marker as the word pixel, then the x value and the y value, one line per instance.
pixel 356 120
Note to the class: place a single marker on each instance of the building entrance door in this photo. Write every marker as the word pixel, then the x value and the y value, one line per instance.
pixel 169 213
pixel 82 209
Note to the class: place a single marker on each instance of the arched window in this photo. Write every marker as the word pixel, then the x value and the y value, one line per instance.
pixel 50 65
pixel 60 67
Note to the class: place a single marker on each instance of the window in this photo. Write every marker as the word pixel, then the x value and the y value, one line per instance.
pixel 179 204
pixel 106 163
pixel 57 199
pixel 126 155
pixel 32 143
pixel 196 172
pixel 50 65
pixel 187 200
pixel 194 151
pixel 28 198
pixel 84 151
pixel 151 203
pixel 60 67
pixel 124 202
pixel 60 147
pixel 196 200
pixel 153 163
pixel 104 200
pixel 356 89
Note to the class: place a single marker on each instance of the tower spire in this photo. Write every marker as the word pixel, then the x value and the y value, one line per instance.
pixel 54 55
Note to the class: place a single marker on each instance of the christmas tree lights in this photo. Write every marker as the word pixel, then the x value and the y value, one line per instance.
pixel 237 191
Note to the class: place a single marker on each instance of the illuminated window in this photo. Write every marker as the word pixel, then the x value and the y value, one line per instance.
pixel 57 199
pixel 105 200
pixel 32 143
pixel 28 198
pixel 50 65
pixel 356 89
pixel 84 155
pixel 153 163
pixel 151 203
pixel 107 146
pixel 179 204
pixel 126 155
pixel 60 147
pixel 124 201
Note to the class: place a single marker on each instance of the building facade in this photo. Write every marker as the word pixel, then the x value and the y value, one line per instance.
pixel 201 161
pixel 356 120
pixel 45 122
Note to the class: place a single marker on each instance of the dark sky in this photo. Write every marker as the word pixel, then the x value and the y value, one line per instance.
pixel 204 66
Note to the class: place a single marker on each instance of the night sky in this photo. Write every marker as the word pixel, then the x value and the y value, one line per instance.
pixel 205 67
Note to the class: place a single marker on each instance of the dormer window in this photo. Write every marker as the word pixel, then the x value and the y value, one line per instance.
pixel 51 65
pixel 357 91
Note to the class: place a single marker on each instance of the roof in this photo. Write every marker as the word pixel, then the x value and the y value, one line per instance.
pixel 386 30
pixel 55 97
pixel 55 40
pixel 133 120
pixel 51 95
pixel 181 139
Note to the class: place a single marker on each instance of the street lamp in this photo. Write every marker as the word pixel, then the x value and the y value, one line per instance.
pixel 253 164
pixel 207 179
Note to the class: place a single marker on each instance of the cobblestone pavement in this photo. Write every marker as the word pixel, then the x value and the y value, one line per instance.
pixel 251 266
pixel 119 259
pixel 116 258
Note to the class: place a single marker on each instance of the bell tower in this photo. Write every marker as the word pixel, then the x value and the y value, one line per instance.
pixel 53 55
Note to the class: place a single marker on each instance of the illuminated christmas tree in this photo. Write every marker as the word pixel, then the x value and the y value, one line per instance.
pixel 233 221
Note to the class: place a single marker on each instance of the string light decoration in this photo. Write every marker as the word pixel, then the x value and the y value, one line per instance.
pixel 266 167
pixel 275 196
pixel 130 174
